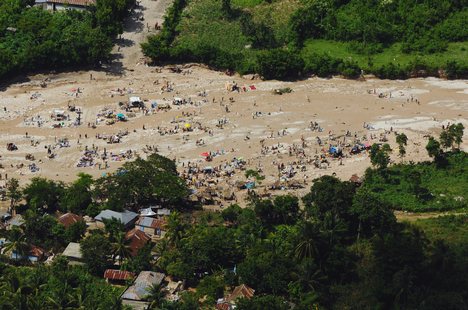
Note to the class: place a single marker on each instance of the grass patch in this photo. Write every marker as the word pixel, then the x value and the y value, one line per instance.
pixel 246 3
pixel 393 54
pixel 451 228
pixel 423 187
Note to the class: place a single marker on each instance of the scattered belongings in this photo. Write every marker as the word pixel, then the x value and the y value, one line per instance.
pixel 11 147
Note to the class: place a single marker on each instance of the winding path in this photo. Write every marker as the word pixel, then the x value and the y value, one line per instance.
pixel 127 52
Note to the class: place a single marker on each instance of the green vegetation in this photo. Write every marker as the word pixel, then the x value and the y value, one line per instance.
pixel 343 250
pixel 33 39
pixel 453 229
pixel 55 287
pixel 424 186
pixel 287 39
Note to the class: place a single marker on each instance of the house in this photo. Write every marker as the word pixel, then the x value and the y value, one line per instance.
pixel 138 239
pixel 35 254
pixel 73 253
pixel 16 221
pixel 60 5
pixel 229 302
pixel 127 218
pixel 356 180
pixel 118 276
pixel 147 212
pixel 152 226
pixel 69 219
pixel 136 295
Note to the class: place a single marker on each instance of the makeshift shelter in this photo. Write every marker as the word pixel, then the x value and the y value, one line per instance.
pixel 135 102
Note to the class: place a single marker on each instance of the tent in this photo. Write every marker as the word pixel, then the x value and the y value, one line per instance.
pixel 121 117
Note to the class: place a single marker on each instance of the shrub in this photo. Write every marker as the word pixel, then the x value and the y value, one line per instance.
pixel 279 64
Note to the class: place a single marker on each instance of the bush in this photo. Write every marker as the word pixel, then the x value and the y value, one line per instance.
pixel 279 64
pixel 349 69
pixel 391 71
pixel 322 65
pixel 456 70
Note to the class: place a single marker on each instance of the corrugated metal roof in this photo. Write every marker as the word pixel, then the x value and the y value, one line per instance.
pixel 69 219
pixel 125 217
pixel 138 239
pixel 118 275
pixel 151 222
pixel 139 289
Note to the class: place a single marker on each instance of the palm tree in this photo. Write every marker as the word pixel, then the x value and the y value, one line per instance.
pixel 120 248
pixel 17 243
pixel 15 293
pixel 155 296
pixel 14 193
pixel 175 228
pixel 307 247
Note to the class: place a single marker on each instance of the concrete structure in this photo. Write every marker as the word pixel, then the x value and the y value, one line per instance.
pixel 136 295
pixel 151 226
pixel 127 218
pixel 60 5
pixel 73 253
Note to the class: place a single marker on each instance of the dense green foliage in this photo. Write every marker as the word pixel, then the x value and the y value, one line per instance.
pixel 426 186
pixel 345 250
pixel 38 39
pixel 393 39
pixel 54 287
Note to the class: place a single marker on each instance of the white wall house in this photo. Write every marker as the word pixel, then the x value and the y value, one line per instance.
pixel 59 5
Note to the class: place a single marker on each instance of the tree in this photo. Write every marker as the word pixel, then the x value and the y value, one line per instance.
pixel 142 182
pixel 401 140
pixel 279 64
pixel 142 261
pixel 283 210
pixel 329 196
pixel 78 196
pixel 175 228
pixel 13 192
pixel 379 155
pixel 43 194
pixel 113 228
pixel 270 302
pixel 446 139
pixel 433 148
pixel 155 296
pixel 17 243
pixel 375 217
pixel 76 231
pixel 120 248
pixel 96 249
pixel 226 8
pixel 456 131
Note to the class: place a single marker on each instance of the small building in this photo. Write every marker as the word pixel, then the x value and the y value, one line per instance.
pixel 69 219
pixel 136 295
pixel 151 226
pixel 73 253
pixel 127 218
pixel 138 239
pixel 60 5
pixel 147 212
pixel 35 254
pixel 118 276
pixel 16 221
pixel 229 302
